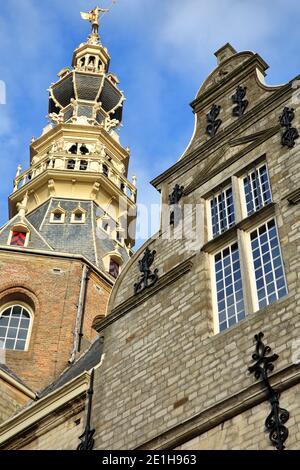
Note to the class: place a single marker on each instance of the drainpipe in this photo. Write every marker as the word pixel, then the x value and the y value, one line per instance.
pixel 80 314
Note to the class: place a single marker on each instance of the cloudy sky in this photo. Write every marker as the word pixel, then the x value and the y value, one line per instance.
pixel 161 51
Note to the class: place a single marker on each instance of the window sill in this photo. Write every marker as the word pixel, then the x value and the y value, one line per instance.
pixel 230 235
pixel 221 240
pixel 259 216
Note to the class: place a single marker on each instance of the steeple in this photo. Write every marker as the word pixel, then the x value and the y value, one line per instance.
pixel 79 160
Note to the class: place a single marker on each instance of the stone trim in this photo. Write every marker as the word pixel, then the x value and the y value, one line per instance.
pixel 211 144
pixel 31 416
pixel 221 412
pixel 135 300
pixel 6 377
pixel 231 234
pixel 294 197
pixel 265 136
pixel 249 138
pixel 221 240
pixel 257 217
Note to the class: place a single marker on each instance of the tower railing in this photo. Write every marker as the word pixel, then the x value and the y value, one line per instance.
pixel 78 163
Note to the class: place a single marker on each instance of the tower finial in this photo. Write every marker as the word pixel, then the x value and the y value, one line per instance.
pixel 93 17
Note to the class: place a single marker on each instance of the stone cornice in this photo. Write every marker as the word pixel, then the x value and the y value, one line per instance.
pixel 212 145
pixel 44 407
pixel 131 303
pixel 6 377
pixel 227 409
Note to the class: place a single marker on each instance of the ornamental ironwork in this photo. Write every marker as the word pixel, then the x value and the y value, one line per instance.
pixel 276 420
pixel 148 278
pixel 290 134
pixel 213 123
pixel 87 438
pixel 174 199
pixel 239 100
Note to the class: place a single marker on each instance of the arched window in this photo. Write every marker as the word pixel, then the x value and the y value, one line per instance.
pixel 113 263
pixel 15 324
pixel 114 268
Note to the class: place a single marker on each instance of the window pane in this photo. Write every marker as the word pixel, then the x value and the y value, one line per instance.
pixel 222 212
pixel 270 280
pixel 257 189
pixel 18 239
pixel 114 268
pixel 20 345
pixel 229 290
pixel 14 326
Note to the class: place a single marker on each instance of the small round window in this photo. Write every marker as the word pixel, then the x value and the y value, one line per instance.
pixel 14 327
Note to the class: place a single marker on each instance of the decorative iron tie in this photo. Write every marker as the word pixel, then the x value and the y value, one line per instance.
pixel 87 438
pixel 278 433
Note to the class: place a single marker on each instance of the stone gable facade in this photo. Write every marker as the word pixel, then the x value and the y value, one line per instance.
pixel 170 379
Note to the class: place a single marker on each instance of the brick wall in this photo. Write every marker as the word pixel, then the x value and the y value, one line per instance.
pixel 54 296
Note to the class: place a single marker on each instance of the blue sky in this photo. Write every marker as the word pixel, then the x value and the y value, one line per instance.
pixel 161 50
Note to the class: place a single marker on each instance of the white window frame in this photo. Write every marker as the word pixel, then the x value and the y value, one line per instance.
pixel 242 188
pixel 216 322
pixel 77 211
pixel 56 211
pixel 31 314
pixel 19 228
pixel 208 211
pixel 251 269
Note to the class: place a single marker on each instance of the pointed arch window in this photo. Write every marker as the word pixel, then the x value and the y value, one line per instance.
pixel 15 327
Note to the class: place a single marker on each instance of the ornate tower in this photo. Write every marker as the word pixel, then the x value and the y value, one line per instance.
pixel 67 236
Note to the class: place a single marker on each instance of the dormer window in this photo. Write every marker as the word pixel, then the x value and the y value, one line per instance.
pixel 114 268
pixel 113 263
pixel 57 216
pixel 19 236
pixel 78 216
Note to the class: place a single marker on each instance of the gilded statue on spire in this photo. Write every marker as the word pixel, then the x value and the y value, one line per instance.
pixel 94 16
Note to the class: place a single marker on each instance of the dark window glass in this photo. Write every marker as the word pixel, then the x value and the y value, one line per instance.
pixel 114 268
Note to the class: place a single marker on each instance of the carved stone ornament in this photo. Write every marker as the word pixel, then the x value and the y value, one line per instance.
pixel 239 100
pixel 213 123
pixel 274 423
pixel 174 199
pixel 148 278
pixel 290 133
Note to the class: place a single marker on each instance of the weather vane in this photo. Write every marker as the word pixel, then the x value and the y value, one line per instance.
pixel 94 16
